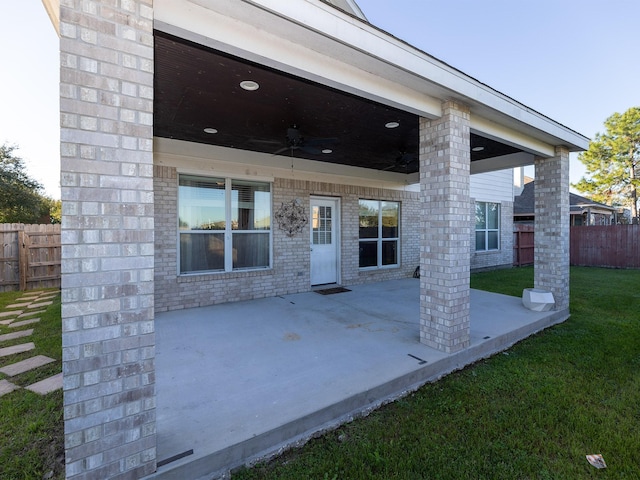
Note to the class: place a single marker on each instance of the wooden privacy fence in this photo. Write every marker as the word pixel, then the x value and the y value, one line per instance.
pixel 522 245
pixel 30 256
pixel 615 246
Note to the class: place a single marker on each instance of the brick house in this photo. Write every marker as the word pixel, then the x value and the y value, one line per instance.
pixel 196 138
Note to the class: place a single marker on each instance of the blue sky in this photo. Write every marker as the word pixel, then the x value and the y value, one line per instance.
pixel 575 61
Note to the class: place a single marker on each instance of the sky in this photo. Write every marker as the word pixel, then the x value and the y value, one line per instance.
pixel 575 61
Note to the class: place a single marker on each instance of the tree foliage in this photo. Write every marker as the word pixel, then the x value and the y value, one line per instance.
pixel 613 162
pixel 21 198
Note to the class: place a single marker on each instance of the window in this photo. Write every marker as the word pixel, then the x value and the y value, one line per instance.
pixel 487 226
pixel 379 233
pixel 224 224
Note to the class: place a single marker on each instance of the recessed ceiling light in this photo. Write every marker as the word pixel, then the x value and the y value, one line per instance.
pixel 327 150
pixel 249 85
pixel 392 124
pixel 210 130
pixel 477 149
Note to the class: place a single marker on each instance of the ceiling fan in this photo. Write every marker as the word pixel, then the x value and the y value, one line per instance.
pixel 405 162
pixel 296 141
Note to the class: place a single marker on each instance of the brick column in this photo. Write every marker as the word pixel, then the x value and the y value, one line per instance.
pixel 551 260
pixel 445 229
pixel 106 115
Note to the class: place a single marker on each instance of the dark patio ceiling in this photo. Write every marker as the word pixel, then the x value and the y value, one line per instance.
pixel 198 88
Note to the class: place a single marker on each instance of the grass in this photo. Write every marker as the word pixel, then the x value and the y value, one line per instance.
pixel 532 412
pixel 31 425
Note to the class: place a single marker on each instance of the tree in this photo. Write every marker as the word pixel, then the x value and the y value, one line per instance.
pixel 613 162
pixel 21 200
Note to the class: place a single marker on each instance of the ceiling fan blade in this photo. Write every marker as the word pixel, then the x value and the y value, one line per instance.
pixel 310 149
pixel 320 142
pixel 282 150
pixel 264 141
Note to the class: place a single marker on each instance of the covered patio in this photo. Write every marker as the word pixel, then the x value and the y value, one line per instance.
pixel 240 381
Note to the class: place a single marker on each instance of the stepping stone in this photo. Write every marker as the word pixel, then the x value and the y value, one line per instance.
pixel 40 304
pixel 28 298
pixel 18 305
pixel 14 335
pixel 6 322
pixel 7 387
pixel 49 295
pixel 23 347
pixel 25 365
pixel 24 322
pixel 10 314
pixel 47 385
pixel 26 314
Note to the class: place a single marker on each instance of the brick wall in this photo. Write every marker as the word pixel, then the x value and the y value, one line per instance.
pixel 291 255
pixel 106 112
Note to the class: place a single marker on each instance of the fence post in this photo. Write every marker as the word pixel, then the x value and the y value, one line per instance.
pixel 23 258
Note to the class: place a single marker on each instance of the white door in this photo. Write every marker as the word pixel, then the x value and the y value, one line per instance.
pixel 324 224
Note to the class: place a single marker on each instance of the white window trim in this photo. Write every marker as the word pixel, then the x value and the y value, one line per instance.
pixel 228 231
pixel 487 230
pixel 379 239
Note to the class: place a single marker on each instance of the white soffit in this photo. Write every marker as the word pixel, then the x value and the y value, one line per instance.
pixel 317 41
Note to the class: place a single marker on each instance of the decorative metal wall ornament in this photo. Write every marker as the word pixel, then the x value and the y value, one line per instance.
pixel 291 217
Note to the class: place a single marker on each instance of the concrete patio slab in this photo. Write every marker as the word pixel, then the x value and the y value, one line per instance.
pixel 239 381
pixel 14 335
pixel 47 385
pixel 25 365
pixel 23 347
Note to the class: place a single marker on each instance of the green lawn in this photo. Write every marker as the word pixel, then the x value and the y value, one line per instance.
pixel 532 412
pixel 31 429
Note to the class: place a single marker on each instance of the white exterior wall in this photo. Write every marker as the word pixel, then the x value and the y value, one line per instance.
pixel 494 187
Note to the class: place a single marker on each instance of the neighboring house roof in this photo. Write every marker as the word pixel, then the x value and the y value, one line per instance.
pixel 523 204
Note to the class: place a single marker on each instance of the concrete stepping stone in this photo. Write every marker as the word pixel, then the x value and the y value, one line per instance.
pixel 28 298
pixel 24 322
pixel 6 322
pixel 23 347
pixel 14 335
pixel 38 305
pixel 25 365
pixel 18 305
pixel 27 314
pixel 48 295
pixel 14 313
pixel 7 387
pixel 47 385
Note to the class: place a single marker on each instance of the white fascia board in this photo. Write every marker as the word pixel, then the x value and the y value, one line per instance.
pixel 214 160
pixel 53 10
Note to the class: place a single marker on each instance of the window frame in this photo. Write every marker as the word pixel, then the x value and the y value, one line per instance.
pixel 380 239
pixel 488 230
pixel 229 232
